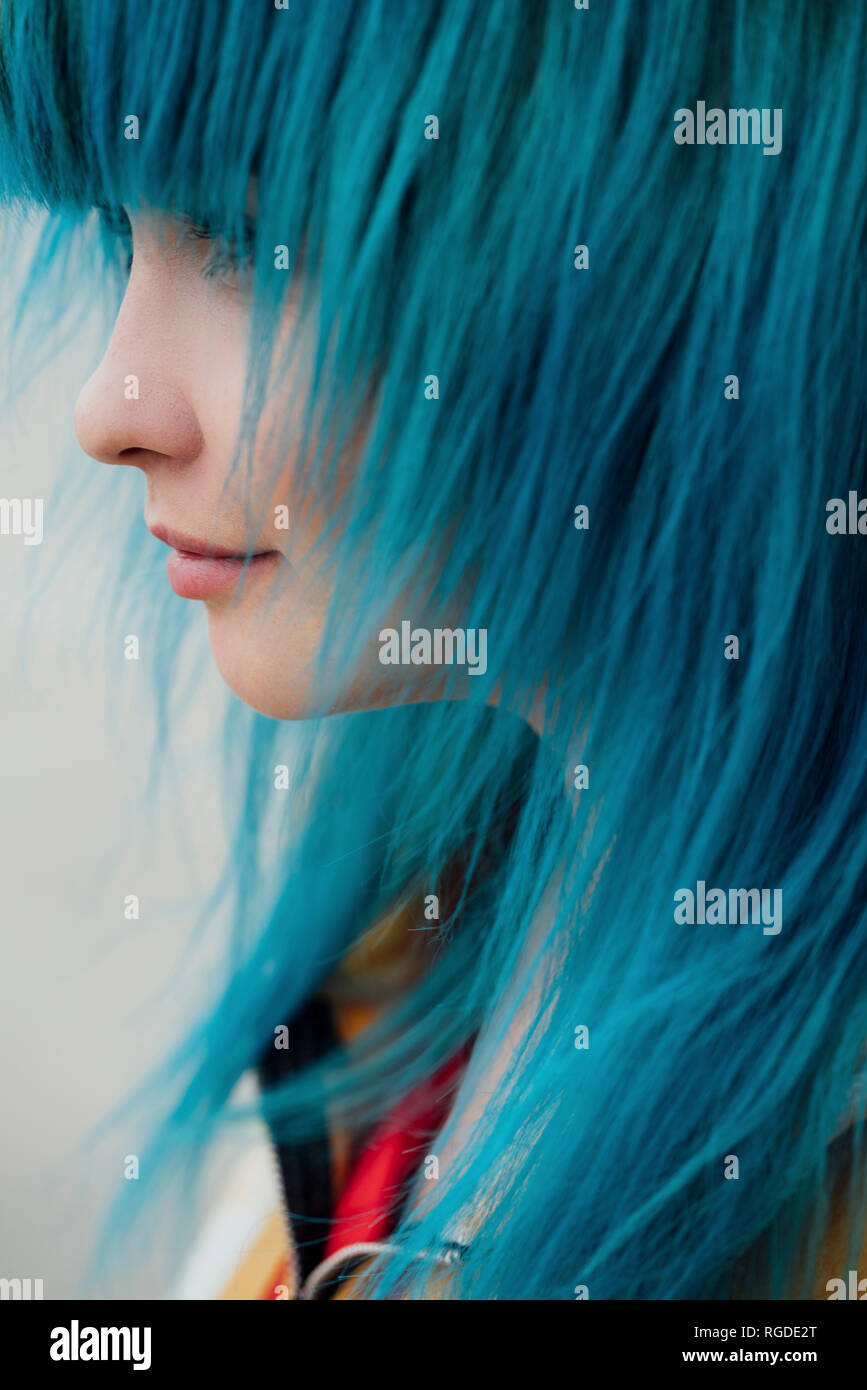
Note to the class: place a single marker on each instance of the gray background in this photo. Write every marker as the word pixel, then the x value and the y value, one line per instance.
pixel 88 1000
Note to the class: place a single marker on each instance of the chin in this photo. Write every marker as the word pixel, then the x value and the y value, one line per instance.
pixel 274 668
pixel 271 685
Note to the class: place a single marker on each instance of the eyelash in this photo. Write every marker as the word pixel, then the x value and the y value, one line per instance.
pixel 224 263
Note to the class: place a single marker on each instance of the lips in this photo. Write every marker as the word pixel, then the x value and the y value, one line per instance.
pixel 198 570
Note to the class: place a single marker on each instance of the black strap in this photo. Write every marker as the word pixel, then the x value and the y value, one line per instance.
pixel 306 1169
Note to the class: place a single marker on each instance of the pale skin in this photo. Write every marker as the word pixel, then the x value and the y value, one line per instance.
pixel 181 331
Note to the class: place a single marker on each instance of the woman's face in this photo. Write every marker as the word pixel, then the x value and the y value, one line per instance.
pixel 167 398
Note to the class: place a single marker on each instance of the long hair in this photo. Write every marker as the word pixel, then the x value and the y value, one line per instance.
pixel 693 378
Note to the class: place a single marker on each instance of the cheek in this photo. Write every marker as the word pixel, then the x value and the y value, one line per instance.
pixel 268 643
pixel 280 486
pixel 299 478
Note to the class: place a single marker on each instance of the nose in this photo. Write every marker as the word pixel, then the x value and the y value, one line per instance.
pixel 134 409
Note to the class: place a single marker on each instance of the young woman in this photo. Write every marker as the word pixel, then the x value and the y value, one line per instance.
pixel 495 414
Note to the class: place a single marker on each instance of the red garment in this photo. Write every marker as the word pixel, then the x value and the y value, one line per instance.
pixel 367 1207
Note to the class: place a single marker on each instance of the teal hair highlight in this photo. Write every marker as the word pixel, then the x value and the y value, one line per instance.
pixel 600 1167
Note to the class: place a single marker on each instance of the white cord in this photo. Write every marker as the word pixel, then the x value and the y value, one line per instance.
pixel 365 1249
pixel 324 1270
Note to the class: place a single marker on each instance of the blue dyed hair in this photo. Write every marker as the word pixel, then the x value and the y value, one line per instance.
pixel 600 1166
